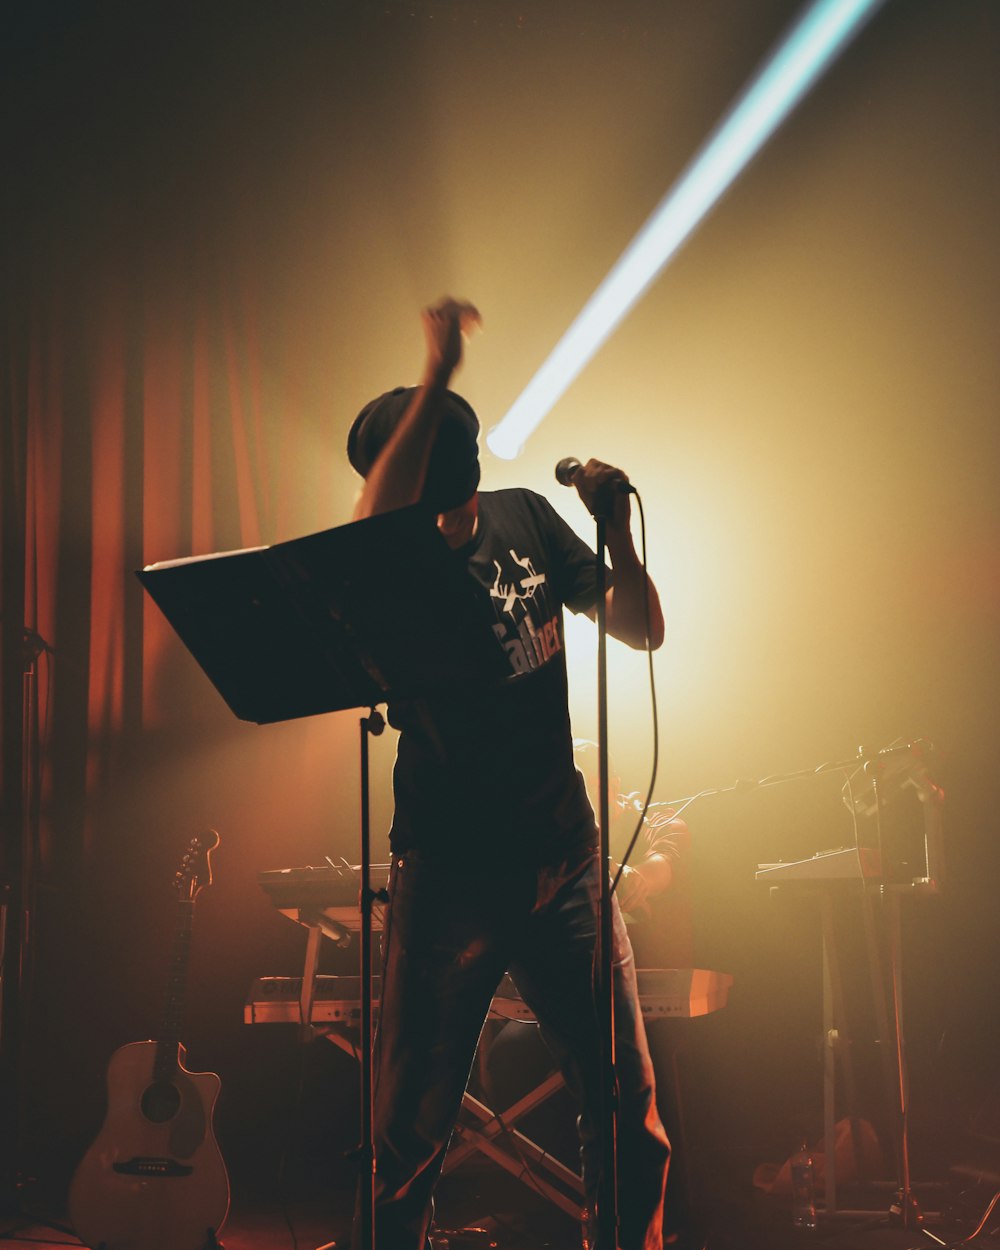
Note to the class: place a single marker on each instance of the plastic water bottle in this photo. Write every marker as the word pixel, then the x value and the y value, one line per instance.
pixel 803 1188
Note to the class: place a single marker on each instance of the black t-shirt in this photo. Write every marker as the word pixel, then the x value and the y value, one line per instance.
pixel 487 775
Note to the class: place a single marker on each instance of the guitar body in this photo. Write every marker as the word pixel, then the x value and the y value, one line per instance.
pixel 154 1178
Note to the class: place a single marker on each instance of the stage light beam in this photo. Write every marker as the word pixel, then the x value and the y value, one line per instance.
pixel 806 51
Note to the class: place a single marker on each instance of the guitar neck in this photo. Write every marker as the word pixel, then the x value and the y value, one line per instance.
pixel 167 1046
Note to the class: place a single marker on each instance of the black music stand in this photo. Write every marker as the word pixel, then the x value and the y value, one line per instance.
pixel 345 618
pixel 350 617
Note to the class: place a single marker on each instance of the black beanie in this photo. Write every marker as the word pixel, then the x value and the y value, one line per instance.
pixel 453 469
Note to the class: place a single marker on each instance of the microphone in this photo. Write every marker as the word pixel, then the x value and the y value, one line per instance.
pixel 569 467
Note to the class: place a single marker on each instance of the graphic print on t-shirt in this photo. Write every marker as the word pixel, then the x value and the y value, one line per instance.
pixel 531 634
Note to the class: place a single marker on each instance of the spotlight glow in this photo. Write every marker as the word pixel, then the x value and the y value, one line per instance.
pixel 811 45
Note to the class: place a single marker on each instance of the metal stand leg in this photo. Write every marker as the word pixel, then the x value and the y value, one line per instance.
pixel 905 1210
pixel 881 916
pixel 836 1049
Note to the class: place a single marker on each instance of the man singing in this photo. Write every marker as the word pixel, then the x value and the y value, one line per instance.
pixel 495 862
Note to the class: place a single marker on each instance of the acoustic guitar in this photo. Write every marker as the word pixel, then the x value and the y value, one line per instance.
pixel 154 1179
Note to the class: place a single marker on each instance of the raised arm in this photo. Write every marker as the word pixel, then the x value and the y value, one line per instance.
pixel 626 600
pixel 397 477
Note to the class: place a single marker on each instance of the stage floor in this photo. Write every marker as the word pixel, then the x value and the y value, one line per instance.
pixel 518 1221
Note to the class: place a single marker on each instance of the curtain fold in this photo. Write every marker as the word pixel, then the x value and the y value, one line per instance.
pixel 137 397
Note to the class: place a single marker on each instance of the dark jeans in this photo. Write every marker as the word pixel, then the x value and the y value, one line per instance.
pixel 449 937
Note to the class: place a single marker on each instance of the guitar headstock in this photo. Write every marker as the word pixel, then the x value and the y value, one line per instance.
pixel 195 871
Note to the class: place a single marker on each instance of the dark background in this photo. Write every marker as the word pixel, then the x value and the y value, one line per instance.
pixel 219 223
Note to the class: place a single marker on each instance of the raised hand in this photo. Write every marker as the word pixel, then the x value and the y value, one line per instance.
pixel 446 324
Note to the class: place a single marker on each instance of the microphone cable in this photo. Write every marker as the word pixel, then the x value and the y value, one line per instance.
pixel 652 699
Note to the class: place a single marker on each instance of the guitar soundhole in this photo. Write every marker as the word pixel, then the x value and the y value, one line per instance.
pixel 160 1101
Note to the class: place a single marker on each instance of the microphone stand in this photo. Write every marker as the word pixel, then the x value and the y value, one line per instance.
pixel 607 1196
pixel 607 1192
pixel 324 644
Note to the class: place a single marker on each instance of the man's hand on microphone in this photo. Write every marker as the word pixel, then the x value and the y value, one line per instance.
pixel 633 612
pixel 600 487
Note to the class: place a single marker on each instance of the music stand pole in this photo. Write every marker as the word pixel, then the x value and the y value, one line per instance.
pixel 371 725
pixel 607 1199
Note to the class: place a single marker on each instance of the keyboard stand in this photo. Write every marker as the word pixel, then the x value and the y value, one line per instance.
pixel 494 1135
pixel 664 994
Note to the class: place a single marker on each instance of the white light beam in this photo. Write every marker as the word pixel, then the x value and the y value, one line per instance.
pixel 812 44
